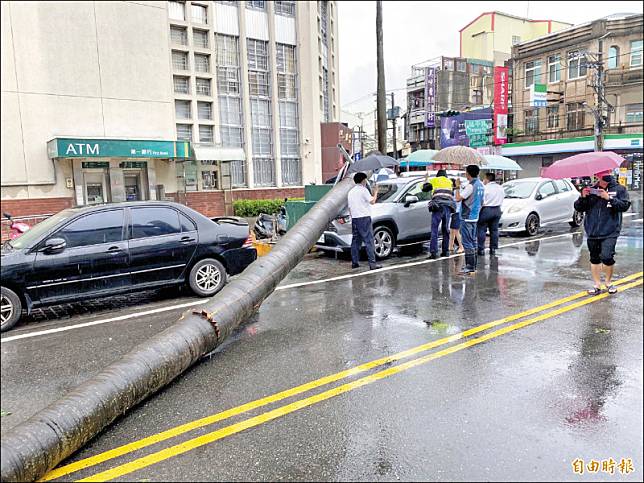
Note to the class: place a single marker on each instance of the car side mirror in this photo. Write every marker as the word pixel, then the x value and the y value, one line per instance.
pixel 409 199
pixel 539 197
pixel 54 245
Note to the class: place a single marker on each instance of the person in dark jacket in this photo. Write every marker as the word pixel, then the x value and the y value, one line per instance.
pixel 603 205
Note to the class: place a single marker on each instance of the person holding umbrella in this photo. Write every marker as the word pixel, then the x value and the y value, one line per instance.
pixel 603 205
pixel 472 197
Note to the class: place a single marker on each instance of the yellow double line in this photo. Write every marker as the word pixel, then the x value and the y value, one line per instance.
pixel 137 464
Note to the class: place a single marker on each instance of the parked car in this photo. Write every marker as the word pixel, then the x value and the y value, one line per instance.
pixel 400 217
pixel 534 202
pixel 103 250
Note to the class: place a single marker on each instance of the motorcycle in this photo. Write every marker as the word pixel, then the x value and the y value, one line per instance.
pixel 16 228
pixel 270 226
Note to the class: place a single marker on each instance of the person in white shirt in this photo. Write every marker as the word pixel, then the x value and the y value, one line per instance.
pixel 490 214
pixel 360 201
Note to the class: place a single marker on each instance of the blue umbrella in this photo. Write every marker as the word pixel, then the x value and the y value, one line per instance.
pixel 494 161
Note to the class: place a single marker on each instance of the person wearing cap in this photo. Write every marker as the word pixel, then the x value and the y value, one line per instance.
pixel 443 200
pixel 603 205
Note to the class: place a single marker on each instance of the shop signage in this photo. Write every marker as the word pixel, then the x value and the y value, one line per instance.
pixel 95 165
pixel 500 105
pixel 430 97
pixel 454 129
pixel 116 148
pixel 538 95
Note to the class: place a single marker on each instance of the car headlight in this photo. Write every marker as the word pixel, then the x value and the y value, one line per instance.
pixel 515 209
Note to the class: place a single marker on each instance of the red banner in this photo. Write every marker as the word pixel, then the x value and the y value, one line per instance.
pixel 500 105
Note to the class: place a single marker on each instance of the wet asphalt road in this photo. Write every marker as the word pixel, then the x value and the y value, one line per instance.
pixel 521 406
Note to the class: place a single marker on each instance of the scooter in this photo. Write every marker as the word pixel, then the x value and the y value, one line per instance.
pixel 270 226
pixel 16 228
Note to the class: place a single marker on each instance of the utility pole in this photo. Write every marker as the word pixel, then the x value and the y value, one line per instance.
pixel 393 119
pixel 599 117
pixel 380 102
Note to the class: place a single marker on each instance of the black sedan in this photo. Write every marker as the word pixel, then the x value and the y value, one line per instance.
pixel 103 250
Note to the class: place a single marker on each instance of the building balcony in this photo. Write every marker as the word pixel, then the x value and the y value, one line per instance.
pixel 618 78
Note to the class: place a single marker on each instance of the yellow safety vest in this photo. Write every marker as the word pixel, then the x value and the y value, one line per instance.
pixel 442 186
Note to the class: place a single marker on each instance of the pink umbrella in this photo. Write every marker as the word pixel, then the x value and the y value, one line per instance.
pixel 584 164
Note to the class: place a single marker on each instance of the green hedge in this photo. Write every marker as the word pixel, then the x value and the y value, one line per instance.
pixel 248 208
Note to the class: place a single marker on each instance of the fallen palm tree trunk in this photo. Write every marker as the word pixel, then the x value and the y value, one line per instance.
pixel 36 446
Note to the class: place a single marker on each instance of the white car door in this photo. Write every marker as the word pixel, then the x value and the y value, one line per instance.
pixel 547 203
pixel 566 197
pixel 414 221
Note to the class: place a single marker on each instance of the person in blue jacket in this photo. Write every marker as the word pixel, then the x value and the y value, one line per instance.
pixel 472 201
pixel 603 205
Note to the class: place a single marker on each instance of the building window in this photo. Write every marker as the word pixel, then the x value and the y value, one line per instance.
pixel 203 86
pixel 291 171
pixel 554 68
pixel 200 38
pixel 531 121
pixel 576 65
pixel 232 137
pixel 199 14
pixel 258 83
pixel 237 173
pixel 461 66
pixel 516 40
pixel 230 111
pixel 636 53
pixel 575 116
pixel 325 95
pixel 552 117
pixel 177 10
pixel 634 113
pixel 284 7
pixel 179 60
pixel 179 35
pixel 182 109
pixel 202 63
pixel 204 110
pixel 532 73
pixel 264 171
pixel 205 134
pixel 260 110
pixel 613 55
pixel 181 84
pixel 184 132
pixel 257 54
pixel 256 4
pixel 448 64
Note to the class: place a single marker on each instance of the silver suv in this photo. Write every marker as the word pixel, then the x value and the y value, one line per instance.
pixel 400 218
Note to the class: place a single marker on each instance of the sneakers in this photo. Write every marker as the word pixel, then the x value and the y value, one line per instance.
pixel 612 289
pixel 355 265
pixel 375 267
pixel 594 291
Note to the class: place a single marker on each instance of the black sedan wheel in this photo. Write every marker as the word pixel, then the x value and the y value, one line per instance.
pixel 532 224
pixel 10 309
pixel 207 277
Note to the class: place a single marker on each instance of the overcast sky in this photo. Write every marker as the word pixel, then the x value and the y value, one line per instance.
pixel 415 31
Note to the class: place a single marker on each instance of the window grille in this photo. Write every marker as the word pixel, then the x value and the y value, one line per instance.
pixel 200 38
pixel 199 14
pixel 257 54
pixel 184 132
pixel 203 86
pixel 532 73
pixel 179 35
pixel 177 10
pixel 531 122
pixel 204 110
pixel 205 134
pixel 238 173
pixel 179 60
pixel 227 50
pixel 256 4
pixel 552 117
pixel 232 137
pixel 264 171
pixel 291 171
pixel 181 85
pixel 182 109
pixel 258 83
pixel 554 68
pixel 576 65
pixel 202 63
pixel 575 116
pixel 286 8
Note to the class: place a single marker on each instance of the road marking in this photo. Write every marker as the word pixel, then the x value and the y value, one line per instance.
pixel 626 215
pixel 99 322
pixel 282 287
pixel 211 437
pixel 208 420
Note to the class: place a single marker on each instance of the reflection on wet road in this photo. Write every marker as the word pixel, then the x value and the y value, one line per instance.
pixel 412 372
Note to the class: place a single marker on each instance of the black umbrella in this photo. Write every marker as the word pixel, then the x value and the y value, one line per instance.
pixel 373 162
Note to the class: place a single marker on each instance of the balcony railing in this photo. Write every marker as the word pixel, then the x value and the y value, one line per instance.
pixel 623 77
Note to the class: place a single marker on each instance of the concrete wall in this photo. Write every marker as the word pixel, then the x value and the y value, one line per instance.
pixel 81 69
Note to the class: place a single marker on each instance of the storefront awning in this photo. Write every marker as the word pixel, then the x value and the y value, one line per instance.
pixel 214 153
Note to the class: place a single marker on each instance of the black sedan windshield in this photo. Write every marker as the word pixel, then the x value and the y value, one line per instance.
pixel 30 237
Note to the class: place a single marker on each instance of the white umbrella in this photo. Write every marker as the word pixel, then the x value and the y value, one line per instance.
pixel 382 174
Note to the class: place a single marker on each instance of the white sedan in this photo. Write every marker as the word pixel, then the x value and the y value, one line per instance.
pixel 534 202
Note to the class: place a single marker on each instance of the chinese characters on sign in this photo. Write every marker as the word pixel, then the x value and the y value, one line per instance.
pixel 625 466
pixel 500 105
pixel 430 97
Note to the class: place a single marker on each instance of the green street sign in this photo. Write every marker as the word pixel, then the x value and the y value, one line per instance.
pixel 479 140
pixel 116 148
